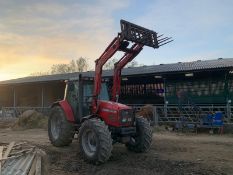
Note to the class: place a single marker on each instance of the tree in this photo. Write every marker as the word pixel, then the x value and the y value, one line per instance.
pixel 133 64
pixel 60 69
pixel 110 64
pixel 35 74
pixel 79 65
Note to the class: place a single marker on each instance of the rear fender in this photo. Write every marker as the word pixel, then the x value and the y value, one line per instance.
pixel 66 108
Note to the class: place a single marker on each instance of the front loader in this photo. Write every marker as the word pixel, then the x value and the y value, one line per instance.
pixel 88 111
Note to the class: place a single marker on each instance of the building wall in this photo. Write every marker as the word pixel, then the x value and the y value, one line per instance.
pixel 53 92
pixel 28 95
pixel 6 96
pixel 202 88
pixel 142 90
pixel 206 87
pixel 31 94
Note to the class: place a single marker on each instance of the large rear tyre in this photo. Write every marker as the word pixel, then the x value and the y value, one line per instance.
pixel 142 141
pixel 95 142
pixel 61 132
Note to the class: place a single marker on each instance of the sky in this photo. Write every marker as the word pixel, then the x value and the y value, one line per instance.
pixel 34 34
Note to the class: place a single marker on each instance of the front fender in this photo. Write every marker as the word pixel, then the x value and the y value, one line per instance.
pixel 89 117
pixel 66 108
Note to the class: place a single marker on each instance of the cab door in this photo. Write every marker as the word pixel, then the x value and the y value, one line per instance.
pixel 87 98
pixel 72 96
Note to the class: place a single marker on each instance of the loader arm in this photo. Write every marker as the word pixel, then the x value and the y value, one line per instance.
pixel 128 57
pixel 99 63
pixel 138 36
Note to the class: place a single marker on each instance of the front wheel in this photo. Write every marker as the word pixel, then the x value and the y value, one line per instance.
pixel 142 141
pixel 61 132
pixel 95 141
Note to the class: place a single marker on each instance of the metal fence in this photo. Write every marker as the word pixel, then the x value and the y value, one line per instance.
pixel 162 113
pixel 173 113
pixel 14 112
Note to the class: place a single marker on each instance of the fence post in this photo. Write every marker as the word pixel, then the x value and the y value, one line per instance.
pixel 165 108
pixel 3 113
pixel 155 116
pixel 229 111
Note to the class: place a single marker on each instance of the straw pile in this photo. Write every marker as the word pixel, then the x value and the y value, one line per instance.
pixel 31 119
pixel 146 112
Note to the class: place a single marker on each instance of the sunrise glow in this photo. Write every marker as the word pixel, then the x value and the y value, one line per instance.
pixel 34 35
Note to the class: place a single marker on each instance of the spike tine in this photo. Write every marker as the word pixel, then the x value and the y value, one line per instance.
pixel 164 40
pixel 159 36
pixel 165 43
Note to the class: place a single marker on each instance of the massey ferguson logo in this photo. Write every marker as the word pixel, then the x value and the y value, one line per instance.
pixel 109 110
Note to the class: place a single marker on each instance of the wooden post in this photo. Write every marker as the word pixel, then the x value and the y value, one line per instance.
pixel 38 165
pixel 32 170
pixel 8 150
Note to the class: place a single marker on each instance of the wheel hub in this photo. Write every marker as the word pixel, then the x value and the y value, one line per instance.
pixel 89 142
pixel 55 127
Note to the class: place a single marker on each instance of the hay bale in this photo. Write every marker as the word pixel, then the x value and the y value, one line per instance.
pixel 147 112
pixel 31 119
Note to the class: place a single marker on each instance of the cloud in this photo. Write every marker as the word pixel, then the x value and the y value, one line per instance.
pixel 50 32
pixel 47 32
pixel 198 27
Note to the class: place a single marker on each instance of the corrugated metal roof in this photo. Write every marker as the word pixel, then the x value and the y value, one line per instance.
pixel 44 78
pixel 181 67
pixel 154 69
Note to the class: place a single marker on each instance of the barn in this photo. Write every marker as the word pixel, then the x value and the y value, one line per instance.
pixel 207 84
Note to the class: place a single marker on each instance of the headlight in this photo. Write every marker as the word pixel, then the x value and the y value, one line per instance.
pixel 126 115
pixel 123 120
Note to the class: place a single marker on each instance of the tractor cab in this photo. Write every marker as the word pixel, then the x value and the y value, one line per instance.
pixel 79 94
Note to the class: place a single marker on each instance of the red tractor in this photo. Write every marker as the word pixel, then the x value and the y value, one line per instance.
pixel 87 110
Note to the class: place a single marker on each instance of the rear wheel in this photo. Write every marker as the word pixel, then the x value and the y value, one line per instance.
pixel 61 132
pixel 142 141
pixel 95 141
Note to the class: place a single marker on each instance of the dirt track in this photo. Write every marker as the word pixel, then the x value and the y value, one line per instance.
pixel 171 153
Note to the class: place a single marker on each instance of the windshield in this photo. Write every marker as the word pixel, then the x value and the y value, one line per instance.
pixel 88 91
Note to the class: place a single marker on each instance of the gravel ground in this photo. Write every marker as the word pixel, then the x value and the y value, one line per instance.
pixel 171 153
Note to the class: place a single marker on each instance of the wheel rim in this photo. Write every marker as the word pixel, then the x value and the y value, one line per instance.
pixel 55 127
pixel 89 142
pixel 134 140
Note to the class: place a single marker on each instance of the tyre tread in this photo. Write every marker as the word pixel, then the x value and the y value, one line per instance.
pixel 145 136
pixel 104 136
pixel 67 129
